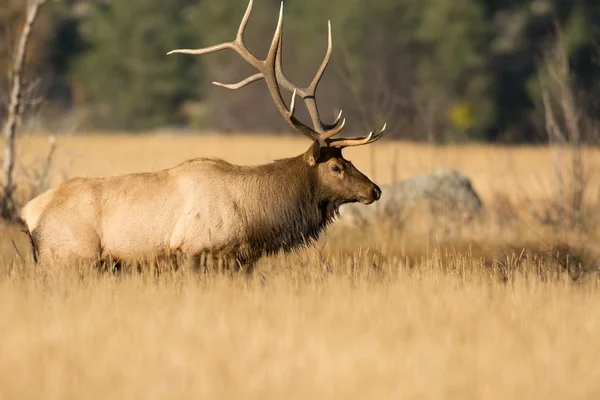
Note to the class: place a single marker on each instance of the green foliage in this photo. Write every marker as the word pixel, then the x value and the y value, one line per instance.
pixel 129 80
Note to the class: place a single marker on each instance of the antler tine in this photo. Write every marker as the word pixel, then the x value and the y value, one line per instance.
pixel 272 54
pixel 239 85
pixel 242 29
pixel 332 132
pixel 350 142
pixel 317 79
pixel 293 103
pixel 237 44
pixel 309 94
pixel 206 50
pixel 336 121
pixel 311 89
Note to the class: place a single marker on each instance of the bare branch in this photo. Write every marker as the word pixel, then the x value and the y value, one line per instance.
pixel 7 202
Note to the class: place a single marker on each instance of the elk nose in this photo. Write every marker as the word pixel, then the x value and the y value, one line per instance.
pixel 376 193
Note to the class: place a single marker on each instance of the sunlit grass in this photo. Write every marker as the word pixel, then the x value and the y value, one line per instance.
pixel 354 326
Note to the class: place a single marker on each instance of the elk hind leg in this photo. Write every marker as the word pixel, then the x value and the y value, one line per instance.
pixel 59 249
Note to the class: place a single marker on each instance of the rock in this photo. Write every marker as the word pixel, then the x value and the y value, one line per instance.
pixel 440 197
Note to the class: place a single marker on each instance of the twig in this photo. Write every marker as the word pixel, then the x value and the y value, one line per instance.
pixel 17 250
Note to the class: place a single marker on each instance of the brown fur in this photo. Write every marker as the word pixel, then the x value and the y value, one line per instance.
pixel 200 206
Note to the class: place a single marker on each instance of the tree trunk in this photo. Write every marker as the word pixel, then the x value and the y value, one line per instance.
pixel 7 202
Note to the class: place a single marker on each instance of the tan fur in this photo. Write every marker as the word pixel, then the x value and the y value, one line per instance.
pixel 200 206
pixel 33 210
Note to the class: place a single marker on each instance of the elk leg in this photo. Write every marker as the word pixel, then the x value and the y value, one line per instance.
pixel 188 262
pixel 110 265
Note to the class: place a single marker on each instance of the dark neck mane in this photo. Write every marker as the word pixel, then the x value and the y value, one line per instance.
pixel 284 209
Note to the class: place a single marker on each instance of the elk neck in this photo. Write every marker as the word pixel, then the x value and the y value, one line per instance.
pixel 288 209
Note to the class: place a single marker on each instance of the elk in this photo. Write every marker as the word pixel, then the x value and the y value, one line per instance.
pixel 209 206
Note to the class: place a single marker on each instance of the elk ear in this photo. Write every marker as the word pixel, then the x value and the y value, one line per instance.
pixel 313 153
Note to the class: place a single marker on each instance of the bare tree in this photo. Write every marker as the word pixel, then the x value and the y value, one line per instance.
pixel 15 107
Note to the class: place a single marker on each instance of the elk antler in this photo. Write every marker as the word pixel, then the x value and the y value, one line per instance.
pixel 349 142
pixel 271 70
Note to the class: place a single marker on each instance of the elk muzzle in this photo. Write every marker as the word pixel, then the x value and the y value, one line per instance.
pixel 372 195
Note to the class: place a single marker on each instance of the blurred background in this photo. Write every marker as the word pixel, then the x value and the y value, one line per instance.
pixel 436 70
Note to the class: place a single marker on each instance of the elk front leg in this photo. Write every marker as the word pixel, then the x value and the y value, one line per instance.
pixel 246 266
pixel 224 263
pixel 186 262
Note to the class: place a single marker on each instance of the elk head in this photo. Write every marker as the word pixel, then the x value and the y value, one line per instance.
pixel 338 180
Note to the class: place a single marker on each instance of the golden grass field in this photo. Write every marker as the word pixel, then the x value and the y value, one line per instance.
pixel 489 313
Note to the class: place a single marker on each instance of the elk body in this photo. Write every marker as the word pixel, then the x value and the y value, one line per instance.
pixel 208 206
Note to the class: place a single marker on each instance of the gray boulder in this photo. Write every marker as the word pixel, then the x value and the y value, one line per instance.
pixel 443 197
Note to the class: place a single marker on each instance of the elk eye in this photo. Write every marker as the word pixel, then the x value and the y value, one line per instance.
pixel 335 168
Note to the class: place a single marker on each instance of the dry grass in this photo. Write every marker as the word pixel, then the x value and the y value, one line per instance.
pixel 495 313
pixel 431 331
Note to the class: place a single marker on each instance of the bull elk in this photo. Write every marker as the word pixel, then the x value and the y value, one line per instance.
pixel 209 206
